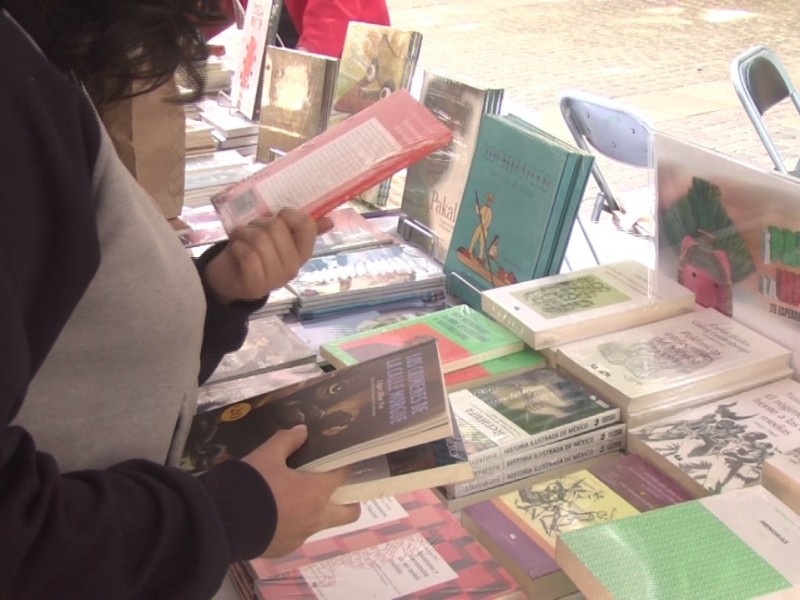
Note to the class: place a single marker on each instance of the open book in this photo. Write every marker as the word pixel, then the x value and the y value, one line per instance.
pixel 338 164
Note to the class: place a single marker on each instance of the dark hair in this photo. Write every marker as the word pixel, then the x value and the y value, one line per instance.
pixel 110 44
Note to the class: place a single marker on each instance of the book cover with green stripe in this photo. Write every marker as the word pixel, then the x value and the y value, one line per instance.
pixel 737 545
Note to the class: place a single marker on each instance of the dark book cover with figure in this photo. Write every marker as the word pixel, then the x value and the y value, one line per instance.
pixel 378 406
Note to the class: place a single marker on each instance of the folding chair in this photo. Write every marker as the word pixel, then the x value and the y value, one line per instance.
pixel 761 82
pixel 605 126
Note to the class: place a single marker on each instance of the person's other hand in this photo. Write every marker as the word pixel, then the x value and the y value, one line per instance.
pixel 303 499
pixel 264 255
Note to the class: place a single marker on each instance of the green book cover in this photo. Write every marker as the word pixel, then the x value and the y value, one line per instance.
pixel 465 337
pixel 511 201
pixel 526 359
pixel 742 544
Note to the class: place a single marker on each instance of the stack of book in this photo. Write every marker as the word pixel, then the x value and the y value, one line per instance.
pixel 781 476
pixel 362 278
pixel 520 200
pixel 208 174
pixel 519 427
pixel 409 545
pixel 351 231
pixel 199 140
pixel 231 131
pixel 434 185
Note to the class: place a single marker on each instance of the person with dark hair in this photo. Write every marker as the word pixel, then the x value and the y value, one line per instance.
pixel 108 327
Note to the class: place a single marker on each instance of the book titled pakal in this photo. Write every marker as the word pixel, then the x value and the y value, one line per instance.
pixel 378 406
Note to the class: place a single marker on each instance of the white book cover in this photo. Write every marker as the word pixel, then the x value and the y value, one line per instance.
pixel 781 476
pixel 561 308
pixel 673 360
pixel 723 445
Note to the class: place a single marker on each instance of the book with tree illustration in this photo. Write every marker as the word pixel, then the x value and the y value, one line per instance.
pixel 337 164
pixel 378 406
pixel 435 184
pixel 729 231
pixel 296 100
pixel 722 445
pixel 741 544
pixel 672 364
pixel 512 211
pixel 561 308
pixel 465 337
pixel 520 527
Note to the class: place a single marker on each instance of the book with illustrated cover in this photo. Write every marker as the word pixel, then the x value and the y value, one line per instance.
pixel 675 363
pixel 393 402
pixel 498 487
pixel 781 476
pixel 423 552
pixel 280 302
pixel 270 344
pixel 338 164
pixel 728 230
pixel 199 226
pixel 520 528
pixel 296 100
pixel 494 369
pixel 260 29
pixel 465 337
pixel 741 544
pixel 514 415
pixel 358 279
pixel 225 392
pixel 435 184
pixel 566 307
pixel 351 231
pixel 512 210
pixel 722 445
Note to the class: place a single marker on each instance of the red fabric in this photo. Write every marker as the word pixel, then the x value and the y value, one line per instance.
pixel 322 24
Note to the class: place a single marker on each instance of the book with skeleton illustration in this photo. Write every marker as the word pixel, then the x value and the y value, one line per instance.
pixel 722 445
pixel 675 363
pixel 390 403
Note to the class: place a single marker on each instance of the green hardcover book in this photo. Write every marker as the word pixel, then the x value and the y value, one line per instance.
pixel 492 370
pixel 389 403
pixel 435 184
pixel 465 337
pixel 738 545
pixel 512 416
pixel 511 206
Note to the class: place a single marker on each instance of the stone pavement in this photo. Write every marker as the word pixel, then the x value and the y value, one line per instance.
pixel 670 58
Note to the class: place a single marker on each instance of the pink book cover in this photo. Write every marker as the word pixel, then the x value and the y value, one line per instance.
pixel 469 571
pixel 338 164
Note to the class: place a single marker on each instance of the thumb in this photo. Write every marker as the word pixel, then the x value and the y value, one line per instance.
pixel 289 440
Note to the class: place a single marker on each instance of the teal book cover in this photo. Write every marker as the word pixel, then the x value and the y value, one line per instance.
pixel 511 201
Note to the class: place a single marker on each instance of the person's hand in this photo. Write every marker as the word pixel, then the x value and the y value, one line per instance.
pixel 303 499
pixel 264 255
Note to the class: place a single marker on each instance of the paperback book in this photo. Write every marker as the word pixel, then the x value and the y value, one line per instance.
pixel 423 552
pixel 390 403
pixel 520 199
pixel 722 445
pixel 435 184
pixel 520 528
pixel 298 92
pixel 494 369
pixel 741 544
pixel 510 417
pixel 464 336
pixel 675 363
pixel 738 254
pixel 562 308
pixel 781 476
pixel 260 29
pixel 357 279
pixel 269 345
pixel 338 164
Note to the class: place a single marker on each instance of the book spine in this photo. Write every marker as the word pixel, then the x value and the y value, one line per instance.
pixel 458 490
pixel 568 430
pixel 528 464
